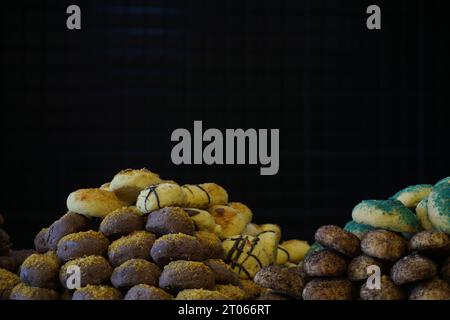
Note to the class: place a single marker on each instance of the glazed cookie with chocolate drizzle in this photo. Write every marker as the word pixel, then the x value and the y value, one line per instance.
pixel 196 196
pixel 159 196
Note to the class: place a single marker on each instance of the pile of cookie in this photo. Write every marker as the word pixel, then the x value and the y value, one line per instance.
pixel 408 252
pixel 140 237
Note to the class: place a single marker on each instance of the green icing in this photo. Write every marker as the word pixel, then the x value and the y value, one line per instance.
pixel 414 188
pixel 357 228
pixel 314 247
pixel 443 181
pixel 441 198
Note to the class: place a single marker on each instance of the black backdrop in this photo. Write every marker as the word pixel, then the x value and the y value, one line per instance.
pixel 361 113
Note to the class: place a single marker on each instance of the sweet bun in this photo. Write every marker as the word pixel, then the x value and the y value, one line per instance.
pixel 217 194
pixel 386 214
pixel 243 209
pixel 422 214
pixel 159 196
pixel 196 196
pixel 439 207
pixel 412 195
pixel 231 221
pixel 203 220
pixel 127 184
pixel 93 202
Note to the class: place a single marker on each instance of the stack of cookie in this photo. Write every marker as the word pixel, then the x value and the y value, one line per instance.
pixel 140 237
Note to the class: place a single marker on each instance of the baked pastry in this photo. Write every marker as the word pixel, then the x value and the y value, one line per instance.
pixel 159 196
pixel 231 221
pixel 136 245
pixel 435 289
pixel 387 291
pixel 93 270
pixel 295 250
pixel 200 294
pixel 93 202
pixel 325 263
pixel 443 181
pixel 134 272
pixel 80 244
pixel 222 272
pixel 211 245
pixel 181 274
pixel 179 246
pixel 251 289
pixel 231 291
pixel 422 214
pixel 40 270
pixel 203 220
pixel 69 223
pixel 439 207
pixel 383 244
pixel 170 220
pixel 328 289
pixel 146 292
pixel 97 292
pixel 357 268
pixel 358 229
pixel 24 292
pixel 40 241
pixel 430 242
pixel 243 209
pixel 217 194
pixel 280 280
pixel 334 237
pixel 121 222
pixel 196 196
pixel 8 281
pixel 413 268
pixel 412 195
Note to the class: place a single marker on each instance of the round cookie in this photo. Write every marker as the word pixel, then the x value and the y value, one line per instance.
pixel 222 272
pixel 383 244
pixel 386 214
pixel 413 268
pixel 40 241
pixel 40 270
pixel 4 243
pixel 121 222
pixel 358 229
pixel 211 244
pixel 135 271
pixel 243 209
pixel 387 291
pixel 328 289
pixel 357 268
pixel 146 292
pixel 280 280
pixel 203 220
pixel 325 263
pixel 93 270
pixel 80 244
pixel 8 281
pixel 97 292
pixel 334 237
pixel 136 245
pixel 217 194
pixel 93 202
pixel 177 246
pixel 439 207
pixel 169 220
pixel 443 181
pixel 179 275
pixel 445 270
pixel 422 214
pixel 24 292
pixel 313 248
pixel 231 221
pixel 196 196
pixel 430 242
pixel 200 294
pixel 435 289
pixel 294 250
pixel 231 291
pixel 69 223
pixel 159 196
pixel 412 195
pixel 127 184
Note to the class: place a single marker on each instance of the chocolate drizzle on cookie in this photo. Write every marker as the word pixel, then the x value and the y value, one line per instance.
pixel 206 192
pixel 238 249
pixel 152 189
pixel 285 251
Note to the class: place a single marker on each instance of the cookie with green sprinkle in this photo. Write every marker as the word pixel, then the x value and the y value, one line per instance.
pixel 422 215
pixel 412 195
pixel 443 181
pixel 439 207
pixel 358 229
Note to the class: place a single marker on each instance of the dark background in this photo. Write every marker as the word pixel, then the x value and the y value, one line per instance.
pixel 361 113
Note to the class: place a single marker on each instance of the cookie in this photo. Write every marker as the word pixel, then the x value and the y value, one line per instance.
pixel 295 250
pixel 200 294
pixel 203 220
pixel 80 244
pixel 8 281
pixel 251 289
pixel 217 194
pixel 135 271
pixel 40 270
pixel 159 196
pixel 243 209
pixel 280 280
pixel 231 221
pixel 180 275
pixel 93 202
pixel 384 245
pixel 435 289
pixel 211 244
pixel 252 229
pixel 443 181
pixel 146 292
pixel 40 241
pixel 93 270
pixel 334 237
pixel 412 195
pixel 358 229
pixel 69 223
pixel 24 292
pixel 231 291
pixel 430 242
pixel 328 289
pixel 97 292
pixel 357 268
pixel 386 214
pixel 439 207
pixel 136 245
pixel 127 184
pixel 387 291
pixel 196 196
pixel 413 268
pixel 179 246
pixel 122 222
pixel 222 272
pixel 170 220
pixel 313 248
pixel 325 263
pixel 422 214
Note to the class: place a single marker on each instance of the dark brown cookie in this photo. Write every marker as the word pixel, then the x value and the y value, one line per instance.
pixel 67 224
pixel 336 238
pixel 170 220
pixel 430 242
pixel 133 272
pixel 40 270
pixel 212 246
pixel 329 289
pixel 24 292
pixel 179 275
pixel 413 268
pixel 179 246
pixel 325 263
pixel 100 292
pixel 222 272
pixel 435 289
pixel 383 244
pixel 357 268
pixel 146 292
pixel 122 222
pixel 136 245
pixel 280 280
pixel 445 270
pixel 80 244
pixel 8 281
pixel 93 270
pixel 387 291
pixel 40 241
pixel 5 243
